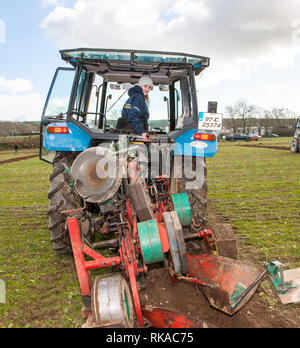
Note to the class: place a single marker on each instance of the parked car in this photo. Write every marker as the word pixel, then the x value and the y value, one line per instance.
pixel 253 137
pixel 272 136
pixel 241 136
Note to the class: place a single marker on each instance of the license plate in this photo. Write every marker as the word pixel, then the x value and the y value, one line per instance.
pixel 210 122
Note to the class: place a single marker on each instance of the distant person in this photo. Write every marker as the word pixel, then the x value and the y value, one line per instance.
pixel 16 148
pixel 135 112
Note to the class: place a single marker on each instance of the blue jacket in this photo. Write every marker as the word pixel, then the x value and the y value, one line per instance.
pixel 136 109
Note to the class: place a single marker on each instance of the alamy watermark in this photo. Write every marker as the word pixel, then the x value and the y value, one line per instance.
pixel 149 162
pixel 2 32
pixel 2 292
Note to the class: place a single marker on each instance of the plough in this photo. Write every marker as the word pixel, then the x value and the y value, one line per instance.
pixel 149 225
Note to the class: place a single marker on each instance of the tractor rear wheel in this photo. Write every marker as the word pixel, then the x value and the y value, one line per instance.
pixel 193 182
pixel 196 189
pixel 195 185
pixel 61 197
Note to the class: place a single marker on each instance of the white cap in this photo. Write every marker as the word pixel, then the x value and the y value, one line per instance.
pixel 146 80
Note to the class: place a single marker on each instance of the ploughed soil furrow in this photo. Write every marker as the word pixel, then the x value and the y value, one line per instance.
pixel 11 160
pixel 269 147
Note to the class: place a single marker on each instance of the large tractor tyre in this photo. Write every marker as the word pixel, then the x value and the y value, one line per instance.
pixel 196 188
pixel 61 197
pixel 295 147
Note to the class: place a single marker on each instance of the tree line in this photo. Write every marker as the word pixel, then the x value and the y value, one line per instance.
pixel 244 117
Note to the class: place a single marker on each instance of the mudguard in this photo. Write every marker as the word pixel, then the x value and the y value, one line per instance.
pixel 75 140
pixel 186 145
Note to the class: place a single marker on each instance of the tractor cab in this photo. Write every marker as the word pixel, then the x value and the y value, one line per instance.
pixel 85 101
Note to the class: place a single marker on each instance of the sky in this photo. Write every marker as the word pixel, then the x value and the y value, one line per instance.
pixel 254 46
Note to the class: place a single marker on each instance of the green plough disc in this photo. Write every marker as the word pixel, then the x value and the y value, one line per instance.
pixel 183 209
pixel 150 242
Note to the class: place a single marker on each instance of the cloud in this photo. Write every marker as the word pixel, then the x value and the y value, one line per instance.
pixel 54 3
pixel 27 107
pixel 238 35
pixel 15 86
pixel 18 102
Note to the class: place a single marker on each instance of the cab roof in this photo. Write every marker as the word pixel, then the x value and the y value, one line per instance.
pixel 120 65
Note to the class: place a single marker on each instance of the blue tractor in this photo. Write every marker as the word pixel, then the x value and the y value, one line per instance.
pixel 144 198
pixel 81 116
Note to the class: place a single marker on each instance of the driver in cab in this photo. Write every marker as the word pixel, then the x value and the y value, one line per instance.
pixel 135 113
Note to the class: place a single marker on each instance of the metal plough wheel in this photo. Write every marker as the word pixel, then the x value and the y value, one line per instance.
pixel 178 250
pixel 112 304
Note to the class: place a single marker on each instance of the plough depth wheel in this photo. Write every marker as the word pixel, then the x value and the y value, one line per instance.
pixel 176 241
pixel 112 303
pixel 183 209
pixel 150 242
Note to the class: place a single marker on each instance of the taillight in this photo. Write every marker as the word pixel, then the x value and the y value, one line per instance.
pixel 58 130
pixel 204 136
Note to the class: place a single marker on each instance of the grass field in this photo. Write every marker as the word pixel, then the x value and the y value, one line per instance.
pixel 42 289
pixel 284 141
pixel 5 155
pixel 274 141
pixel 258 190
